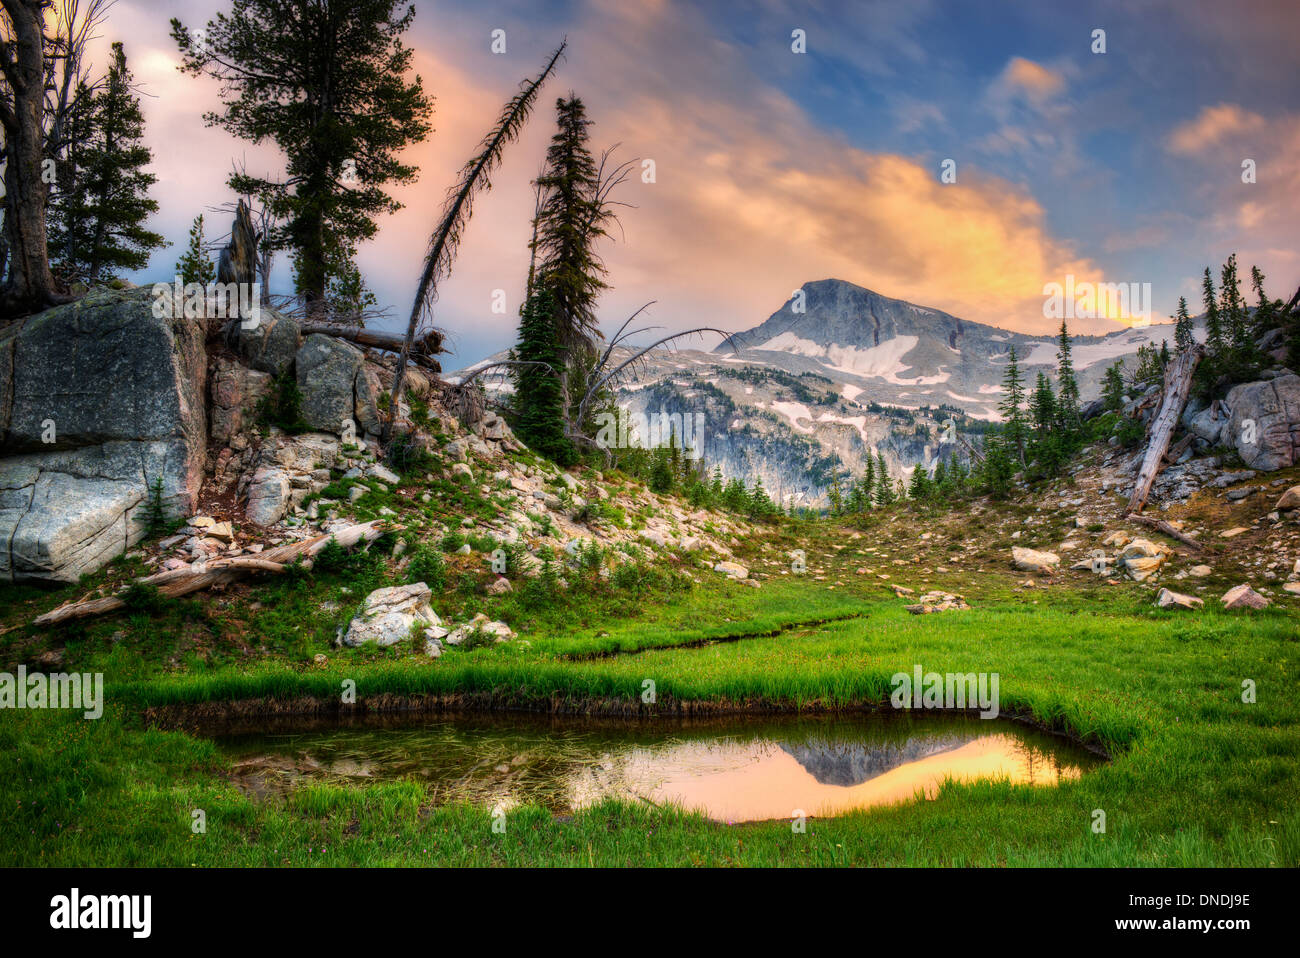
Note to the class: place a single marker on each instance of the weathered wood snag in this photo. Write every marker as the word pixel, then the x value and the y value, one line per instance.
pixel 219 572
pixel 1178 384
pixel 1161 526
pixel 238 260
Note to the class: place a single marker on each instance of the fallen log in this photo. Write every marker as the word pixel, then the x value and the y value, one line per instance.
pixel 220 572
pixel 1178 384
pixel 422 350
pixel 1161 526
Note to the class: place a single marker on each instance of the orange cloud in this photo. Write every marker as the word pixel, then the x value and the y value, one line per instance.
pixel 1035 80
pixel 1211 126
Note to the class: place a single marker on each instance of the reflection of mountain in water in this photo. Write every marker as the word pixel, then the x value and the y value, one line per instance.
pixel 848 763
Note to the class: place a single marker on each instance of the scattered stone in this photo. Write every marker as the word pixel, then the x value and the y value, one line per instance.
pixel 1290 500
pixel 1044 563
pixel 1243 597
pixel 1168 599
pixel 1233 533
pixel 1200 571
pixel 937 602
pixel 500 587
pixel 733 570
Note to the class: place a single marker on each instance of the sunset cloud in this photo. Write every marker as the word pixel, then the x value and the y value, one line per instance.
pixel 1213 126
pixel 774 169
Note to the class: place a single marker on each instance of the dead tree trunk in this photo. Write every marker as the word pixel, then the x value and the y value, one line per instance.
pixel 423 349
pixel 219 572
pixel 30 285
pixel 1178 383
pixel 1161 526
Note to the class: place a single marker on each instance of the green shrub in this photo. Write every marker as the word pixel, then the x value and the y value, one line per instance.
pixel 428 566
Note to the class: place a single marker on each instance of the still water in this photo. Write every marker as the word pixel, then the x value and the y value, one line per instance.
pixel 731 769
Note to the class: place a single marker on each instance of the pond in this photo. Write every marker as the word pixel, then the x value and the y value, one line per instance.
pixel 732 769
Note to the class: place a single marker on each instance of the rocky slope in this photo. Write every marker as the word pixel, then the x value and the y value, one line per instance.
pixel 806 395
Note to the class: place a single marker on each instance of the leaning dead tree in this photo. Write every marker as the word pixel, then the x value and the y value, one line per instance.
pixel 602 375
pixel 475 175
pixel 220 572
pixel 1177 387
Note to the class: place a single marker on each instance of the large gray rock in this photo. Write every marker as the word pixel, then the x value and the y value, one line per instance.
pixel 327 370
pixel 366 392
pixel 268 496
pixel 271 345
pixel 389 615
pixel 1208 423
pixel 98 399
pixel 236 392
pixel 1273 405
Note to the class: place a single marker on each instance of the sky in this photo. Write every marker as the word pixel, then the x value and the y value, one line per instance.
pixel 773 167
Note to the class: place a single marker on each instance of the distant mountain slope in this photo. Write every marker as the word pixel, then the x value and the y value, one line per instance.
pixel 805 396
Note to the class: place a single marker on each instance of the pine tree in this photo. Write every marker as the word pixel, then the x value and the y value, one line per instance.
pixel 1232 307
pixel 999 466
pixel 1265 309
pixel 1112 389
pixel 1013 398
pixel 919 488
pixel 1043 407
pixel 1183 337
pixel 1215 341
pixel 327 82
pixel 195 266
pixel 1067 402
pixel 97 222
pixel 759 502
pixel 884 494
pixel 836 496
pixel 539 398
pixel 570 221
pixel 940 482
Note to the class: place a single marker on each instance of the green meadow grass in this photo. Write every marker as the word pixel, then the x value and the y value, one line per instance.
pixel 1197 777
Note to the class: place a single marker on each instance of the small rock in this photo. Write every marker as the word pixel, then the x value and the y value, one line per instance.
pixel 1031 560
pixel 1290 500
pixel 733 570
pixel 1168 599
pixel 1243 597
